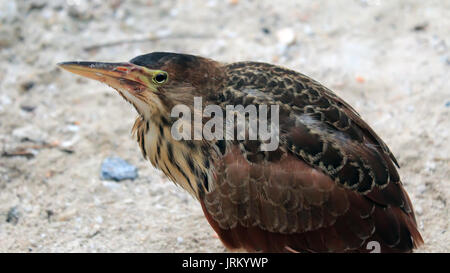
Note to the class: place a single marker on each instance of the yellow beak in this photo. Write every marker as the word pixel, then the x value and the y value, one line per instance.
pixel 131 77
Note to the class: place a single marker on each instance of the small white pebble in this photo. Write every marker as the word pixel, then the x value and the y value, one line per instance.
pixel 174 12
pixel 111 185
pixel 418 209
pixel 70 142
pixel 99 219
pixel 128 201
pixel 211 3
pixel 422 188
pixel 180 240
pixel 72 128
pixel 286 36
pixel 430 166
pixel 5 100
pixel 308 30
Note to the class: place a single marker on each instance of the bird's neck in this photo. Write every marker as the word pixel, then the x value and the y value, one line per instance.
pixel 184 162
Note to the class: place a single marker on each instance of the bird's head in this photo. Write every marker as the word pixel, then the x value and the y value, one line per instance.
pixel 155 82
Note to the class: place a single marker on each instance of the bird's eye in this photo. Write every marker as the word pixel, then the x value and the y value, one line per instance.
pixel 160 78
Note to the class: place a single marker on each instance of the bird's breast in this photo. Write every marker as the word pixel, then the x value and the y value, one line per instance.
pixel 182 161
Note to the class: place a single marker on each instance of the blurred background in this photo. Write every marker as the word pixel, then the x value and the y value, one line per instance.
pixel 388 59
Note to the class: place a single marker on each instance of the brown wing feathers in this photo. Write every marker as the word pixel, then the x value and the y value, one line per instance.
pixel 288 205
pixel 332 185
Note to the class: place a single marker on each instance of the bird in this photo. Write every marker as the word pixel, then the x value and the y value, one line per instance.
pixel 331 184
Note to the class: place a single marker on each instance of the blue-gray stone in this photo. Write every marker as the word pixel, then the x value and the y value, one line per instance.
pixel 117 169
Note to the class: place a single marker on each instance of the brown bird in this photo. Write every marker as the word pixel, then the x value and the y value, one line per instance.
pixel 331 185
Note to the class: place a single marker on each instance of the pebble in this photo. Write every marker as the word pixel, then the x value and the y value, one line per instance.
pixel 430 166
pixel 69 143
pixel 5 100
pixel 446 60
pixel 111 185
pixel 286 36
pixel 8 11
pixel 27 85
pixel 99 219
pixel 29 132
pixel 211 3
pixel 265 30
pixel 79 10
pixel 72 128
pixel 422 189
pixel 418 209
pixel 117 169
pixel 308 30
pixel 28 108
pixel 13 216
pixel 67 215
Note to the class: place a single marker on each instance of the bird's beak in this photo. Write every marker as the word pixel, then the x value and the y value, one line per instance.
pixel 122 76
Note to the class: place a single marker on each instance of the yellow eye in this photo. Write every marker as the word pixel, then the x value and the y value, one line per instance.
pixel 160 77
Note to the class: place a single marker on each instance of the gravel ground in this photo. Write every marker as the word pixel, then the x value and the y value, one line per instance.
pixel 389 59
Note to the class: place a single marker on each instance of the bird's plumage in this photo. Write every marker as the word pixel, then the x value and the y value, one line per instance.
pixel 331 185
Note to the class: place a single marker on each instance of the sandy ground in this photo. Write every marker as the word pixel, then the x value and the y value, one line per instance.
pixel 389 59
